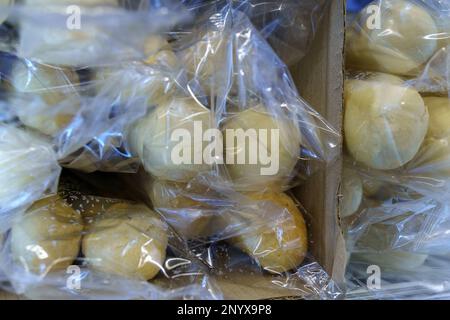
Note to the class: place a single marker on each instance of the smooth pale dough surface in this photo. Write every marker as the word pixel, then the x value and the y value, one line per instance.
pixel 401 46
pixel 186 215
pixel 55 44
pixel 394 260
pixel 434 155
pixel 28 166
pixel 47 237
pixel 51 99
pixel 150 139
pixel 205 58
pixel 148 79
pixel 253 177
pixel 283 245
pixel 129 240
pixel 384 123
pixel 4 9
pixel 352 192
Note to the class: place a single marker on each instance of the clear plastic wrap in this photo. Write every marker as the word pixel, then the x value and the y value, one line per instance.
pixel 238 109
pixel 29 169
pixel 80 246
pixel 214 120
pixel 86 33
pixel 406 131
pixel 288 25
pixel 261 234
pixel 395 198
pixel 383 38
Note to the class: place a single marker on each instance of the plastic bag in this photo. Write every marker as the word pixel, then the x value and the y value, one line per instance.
pixel 289 26
pixel 29 170
pixel 395 202
pixel 407 132
pixel 81 246
pixel 234 89
pixel 86 33
pixel 263 234
pixel 382 38
pixel 115 116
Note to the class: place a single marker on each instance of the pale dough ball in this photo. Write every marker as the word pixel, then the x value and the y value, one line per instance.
pixel 155 139
pixel 148 82
pixel 352 192
pixel 439 109
pixel 282 155
pixel 402 44
pixel 150 79
pixel 206 57
pixel 186 215
pixel 47 237
pixel 434 155
pixel 283 245
pixel 50 98
pixel 56 44
pixel 4 9
pixel 129 240
pixel 384 124
pixel 132 83
pixel 28 166
pixel 159 52
pixel 394 260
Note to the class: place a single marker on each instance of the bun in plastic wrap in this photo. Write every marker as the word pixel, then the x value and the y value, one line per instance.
pixel 47 237
pixel 152 139
pixel 49 97
pixel 384 123
pixel 129 240
pixel 29 168
pixel 281 145
pixel 400 44
pixel 282 246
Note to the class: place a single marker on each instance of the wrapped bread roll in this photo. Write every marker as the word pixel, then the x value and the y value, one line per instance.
pixel 394 260
pixel 4 9
pixel 50 99
pixel 154 139
pixel 47 237
pixel 186 215
pixel 147 79
pixel 282 246
pixel 159 52
pixel 384 123
pixel 434 155
pixel 49 39
pixel 352 192
pixel 401 44
pixel 283 153
pixel 29 167
pixel 129 240
pixel 132 82
pixel 205 58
